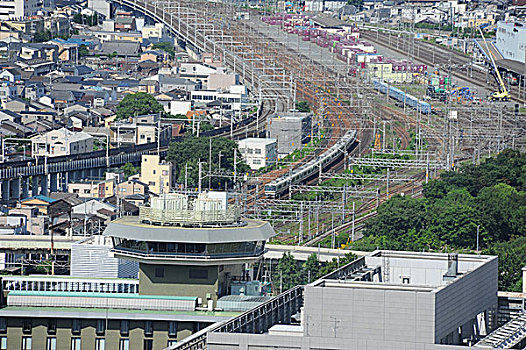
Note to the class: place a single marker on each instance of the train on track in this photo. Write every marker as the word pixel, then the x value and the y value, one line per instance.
pixel 399 95
pixel 310 170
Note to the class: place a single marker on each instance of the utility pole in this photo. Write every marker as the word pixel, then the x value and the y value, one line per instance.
pixel 353 218
pixel 210 165
pixel 200 172
pixel 235 166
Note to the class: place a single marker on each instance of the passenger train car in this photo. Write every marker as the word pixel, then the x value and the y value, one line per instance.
pixel 310 170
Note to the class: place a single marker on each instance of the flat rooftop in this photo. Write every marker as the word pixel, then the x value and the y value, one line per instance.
pixel 131 228
pixel 394 270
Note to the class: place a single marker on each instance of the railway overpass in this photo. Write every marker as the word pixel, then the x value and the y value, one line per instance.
pixel 275 93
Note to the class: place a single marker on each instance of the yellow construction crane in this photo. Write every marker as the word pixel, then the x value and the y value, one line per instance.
pixel 502 94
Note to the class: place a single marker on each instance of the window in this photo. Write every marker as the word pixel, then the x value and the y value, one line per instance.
pixel 75 326
pixel 101 327
pixel 75 343
pixel 171 342
pixel 151 183
pixel 124 344
pixel 76 190
pixel 165 172
pixel 257 150
pixel 159 272
pixel 3 343
pixel 153 171
pixel 125 327
pixel 148 344
pixel 52 326
pixel 172 329
pixel 148 328
pixel 3 324
pixel 27 343
pixel 100 344
pixel 198 274
pixel 86 191
pixel 26 327
pixel 51 343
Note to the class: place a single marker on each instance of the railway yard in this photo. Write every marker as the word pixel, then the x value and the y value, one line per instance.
pixel 382 125
pixel 402 140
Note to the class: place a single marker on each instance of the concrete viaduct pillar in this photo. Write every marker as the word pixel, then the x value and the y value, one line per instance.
pixel 25 187
pixel 44 185
pixel 65 180
pixel 34 185
pixel 53 185
pixel 14 188
pixel 5 191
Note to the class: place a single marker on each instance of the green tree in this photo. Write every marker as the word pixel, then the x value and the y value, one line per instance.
pixel 302 106
pixel 287 272
pixel 193 149
pixel 310 269
pixel 512 256
pixel 40 37
pixel 83 51
pixel 129 170
pixel 166 47
pixel 335 264
pixel 139 103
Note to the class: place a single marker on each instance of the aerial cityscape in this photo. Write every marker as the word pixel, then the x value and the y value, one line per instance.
pixel 262 174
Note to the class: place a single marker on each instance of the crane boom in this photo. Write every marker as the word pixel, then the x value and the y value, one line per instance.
pixel 503 95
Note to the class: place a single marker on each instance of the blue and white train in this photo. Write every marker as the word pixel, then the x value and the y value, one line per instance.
pixel 399 95
pixel 310 170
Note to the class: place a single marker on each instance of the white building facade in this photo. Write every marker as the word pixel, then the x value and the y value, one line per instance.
pixel 61 142
pixel 258 153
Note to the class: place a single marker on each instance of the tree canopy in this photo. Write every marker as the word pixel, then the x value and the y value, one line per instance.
pixel 290 273
pixel 129 170
pixel 166 47
pixel 140 103
pixel 194 149
pixel 490 198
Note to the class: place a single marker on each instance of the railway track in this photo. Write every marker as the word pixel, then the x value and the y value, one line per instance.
pixel 434 55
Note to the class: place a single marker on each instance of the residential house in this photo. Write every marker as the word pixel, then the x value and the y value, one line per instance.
pixel 175 102
pixel 40 202
pixel 149 86
pixel 92 189
pixel 10 74
pixel 169 83
pixel 61 142
pixel 158 175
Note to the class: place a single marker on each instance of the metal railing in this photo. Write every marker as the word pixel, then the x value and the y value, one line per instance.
pixel 69 284
pixel 190 217
pixel 257 320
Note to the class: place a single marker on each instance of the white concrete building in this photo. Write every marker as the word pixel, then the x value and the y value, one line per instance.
pixel 511 40
pixel 235 99
pixel 19 9
pixel 258 153
pixel 61 142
